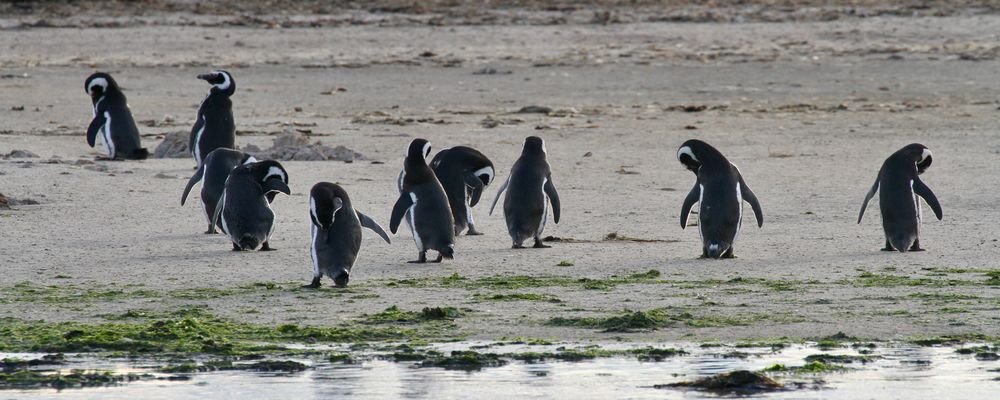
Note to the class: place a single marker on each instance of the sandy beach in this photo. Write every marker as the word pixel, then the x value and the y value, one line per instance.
pixel 808 110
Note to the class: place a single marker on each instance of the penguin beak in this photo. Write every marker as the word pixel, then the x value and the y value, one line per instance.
pixel 208 77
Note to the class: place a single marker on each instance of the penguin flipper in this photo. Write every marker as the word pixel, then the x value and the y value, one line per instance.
pixel 868 197
pixel 550 192
pixel 402 204
pixel 923 191
pixel 473 182
pixel 751 198
pixel 198 175
pixel 369 223
pixel 499 192
pixel 218 211
pixel 689 201
pixel 95 126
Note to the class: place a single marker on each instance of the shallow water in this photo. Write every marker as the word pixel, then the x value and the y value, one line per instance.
pixel 902 372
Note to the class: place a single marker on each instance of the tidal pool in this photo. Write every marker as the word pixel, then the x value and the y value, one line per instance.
pixel 891 371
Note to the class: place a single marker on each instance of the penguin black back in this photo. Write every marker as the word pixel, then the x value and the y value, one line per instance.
pixel 336 233
pixel 245 211
pixel 112 119
pixel 899 185
pixel 424 204
pixel 530 190
pixel 214 126
pixel 464 173
pixel 720 192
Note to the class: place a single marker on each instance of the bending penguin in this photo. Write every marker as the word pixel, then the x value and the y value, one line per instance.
pixel 213 174
pixel 463 172
pixel 336 233
pixel 529 192
pixel 214 127
pixel 720 192
pixel 112 119
pixel 245 208
pixel 900 185
pixel 424 204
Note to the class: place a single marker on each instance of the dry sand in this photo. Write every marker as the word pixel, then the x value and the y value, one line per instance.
pixel 808 110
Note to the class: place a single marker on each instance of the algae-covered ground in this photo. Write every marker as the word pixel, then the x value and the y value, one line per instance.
pixel 100 255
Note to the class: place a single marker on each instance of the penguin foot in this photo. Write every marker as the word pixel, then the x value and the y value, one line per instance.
pixel 236 247
pixel 539 245
pixel 267 247
pixel 888 248
pixel 211 231
pixel 728 254
pixel 916 246
pixel 473 232
pixel 517 246
pixel 422 258
pixel 314 285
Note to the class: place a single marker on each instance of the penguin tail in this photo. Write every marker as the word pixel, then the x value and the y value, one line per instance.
pixel 140 154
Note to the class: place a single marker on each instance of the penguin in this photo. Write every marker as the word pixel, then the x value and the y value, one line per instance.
pixel 423 202
pixel 336 233
pixel 720 192
pixel 529 191
pixel 214 126
pixel 213 172
pixel 245 210
pixel 899 183
pixel 464 172
pixel 112 119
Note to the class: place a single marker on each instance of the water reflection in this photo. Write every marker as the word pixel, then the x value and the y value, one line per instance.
pixel 897 372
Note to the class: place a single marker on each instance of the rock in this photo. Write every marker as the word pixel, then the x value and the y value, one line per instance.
pixel 534 110
pixel 740 382
pixel 174 145
pixel 20 154
pixel 295 146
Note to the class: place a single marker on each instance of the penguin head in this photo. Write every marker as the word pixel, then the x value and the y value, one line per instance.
pixel 485 174
pixel 341 278
pixel 716 249
pixel 533 145
pixel 221 81
pixel 99 83
pixel 419 149
pixel 325 200
pixel 694 153
pixel 921 156
pixel 271 177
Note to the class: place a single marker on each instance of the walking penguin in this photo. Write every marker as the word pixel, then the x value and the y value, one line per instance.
pixel 530 190
pixel 336 233
pixel 899 185
pixel 720 192
pixel 424 204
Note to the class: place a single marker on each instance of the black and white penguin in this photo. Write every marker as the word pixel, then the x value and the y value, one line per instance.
pixel 464 172
pixel 213 174
pixel 112 121
pixel 899 185
pixel 245 208
pixel 214 126
pixel 529 191
pixel 720 192
pixel 336 233
pixel 424 204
